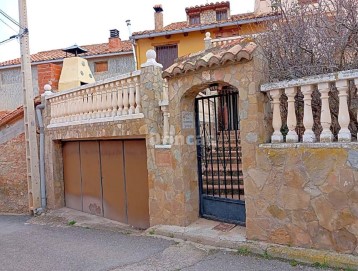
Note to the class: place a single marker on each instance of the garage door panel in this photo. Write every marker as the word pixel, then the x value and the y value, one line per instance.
pixel 91 177
pixel 114 201
pixel 136 175
pixel 72 175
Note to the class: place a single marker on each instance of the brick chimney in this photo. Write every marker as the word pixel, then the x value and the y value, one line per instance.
pixel 46 73
pixel 158 17
pixel 114 41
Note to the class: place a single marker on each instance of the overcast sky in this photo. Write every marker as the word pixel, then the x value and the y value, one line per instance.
pixel 60 24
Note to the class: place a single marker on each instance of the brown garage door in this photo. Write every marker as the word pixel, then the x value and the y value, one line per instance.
pixel 108 178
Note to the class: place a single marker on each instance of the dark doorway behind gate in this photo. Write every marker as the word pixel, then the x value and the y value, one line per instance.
pixel 108 178
pixel 219 157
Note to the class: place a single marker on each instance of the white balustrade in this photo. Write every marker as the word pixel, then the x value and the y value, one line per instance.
pixel 112 100
pixel 344 134
pixel 326 120
pixel 277 136
pixel 291 115
pixel 324 84
pixel 309 135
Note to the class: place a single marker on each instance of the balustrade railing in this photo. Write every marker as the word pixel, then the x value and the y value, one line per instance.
pixel 315 109
pixel 112 99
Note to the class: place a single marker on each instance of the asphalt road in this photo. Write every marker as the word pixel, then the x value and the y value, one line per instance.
pixel 25 246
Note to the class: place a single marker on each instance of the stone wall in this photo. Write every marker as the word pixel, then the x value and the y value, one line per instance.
pixel 304 196
pixel 13 182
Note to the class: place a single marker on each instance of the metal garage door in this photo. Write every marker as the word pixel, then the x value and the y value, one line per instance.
pixel 108 178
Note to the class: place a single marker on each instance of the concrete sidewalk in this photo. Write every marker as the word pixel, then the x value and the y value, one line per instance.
pixel 205 232
pixel 217 234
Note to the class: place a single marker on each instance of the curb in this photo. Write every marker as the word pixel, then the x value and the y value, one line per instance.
pixel 315 257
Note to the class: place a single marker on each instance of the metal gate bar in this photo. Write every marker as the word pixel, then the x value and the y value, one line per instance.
pixel 219 157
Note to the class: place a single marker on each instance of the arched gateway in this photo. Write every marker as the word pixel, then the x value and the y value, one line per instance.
pixel 210 94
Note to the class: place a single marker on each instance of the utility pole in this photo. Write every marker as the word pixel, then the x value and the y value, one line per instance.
pixel 32 158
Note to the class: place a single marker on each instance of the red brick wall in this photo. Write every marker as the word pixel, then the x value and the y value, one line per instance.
pixel 13 182
pixel 48 72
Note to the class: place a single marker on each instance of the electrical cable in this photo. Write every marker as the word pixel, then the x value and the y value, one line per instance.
pixel 11 19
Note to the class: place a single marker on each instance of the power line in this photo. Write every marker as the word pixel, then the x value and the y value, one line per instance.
pixel 10 19
pixel 8 25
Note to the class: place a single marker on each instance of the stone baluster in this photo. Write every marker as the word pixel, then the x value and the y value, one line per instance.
pixel 125 98
pixel 276 116
pixel 326 134
pixel 309 135
pixel 292 136
pixel 66 108
pixel 71 107
pixel 166 137
pixel 131 87
pixel 87 104
pixel 138 108
pixel 344 134
pixel 120 98
pixel 53 110
pixel 97 103
pixel 108 90
pixel 78 104
pixel 103 101
pixel 83 104
pixel 115 98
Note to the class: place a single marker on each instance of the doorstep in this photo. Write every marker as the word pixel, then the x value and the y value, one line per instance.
pixel 229 236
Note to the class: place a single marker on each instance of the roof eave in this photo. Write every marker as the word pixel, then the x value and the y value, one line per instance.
pixel 203 27
pixel 61 59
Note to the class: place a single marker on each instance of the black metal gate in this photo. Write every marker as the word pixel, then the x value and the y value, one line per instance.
pixel 219 157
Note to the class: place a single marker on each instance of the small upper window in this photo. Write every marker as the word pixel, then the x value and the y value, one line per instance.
pixel 221 15
pixel 194 19
pixel 101 66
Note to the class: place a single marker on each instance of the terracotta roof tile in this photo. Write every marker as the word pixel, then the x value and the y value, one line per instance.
pixel 94 49
pixel 4 119
pixel 8 116
pixel 208 5
pixel 235 51
pixel 185 26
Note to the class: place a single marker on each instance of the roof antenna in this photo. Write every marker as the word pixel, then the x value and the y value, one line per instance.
pixel 129 24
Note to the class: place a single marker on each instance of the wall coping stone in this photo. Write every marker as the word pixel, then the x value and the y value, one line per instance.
pixel 310 80
pixel 90 121
pixel 318 145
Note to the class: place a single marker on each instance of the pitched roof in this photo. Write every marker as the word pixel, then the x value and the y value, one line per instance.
pixel 92 50
pixel 6 116
pixel 235 19
pixel 235 51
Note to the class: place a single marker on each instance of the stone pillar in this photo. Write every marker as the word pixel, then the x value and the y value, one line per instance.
pixel 291 115
pixel 151 88
pixel 309 135
pixel 344 134
pixel 326 134
pixel 276 118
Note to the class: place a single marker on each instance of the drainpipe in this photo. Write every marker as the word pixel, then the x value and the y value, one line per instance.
pixel 40 123
pixel 39 108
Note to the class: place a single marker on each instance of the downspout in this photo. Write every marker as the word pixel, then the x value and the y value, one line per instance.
pixel 39 108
